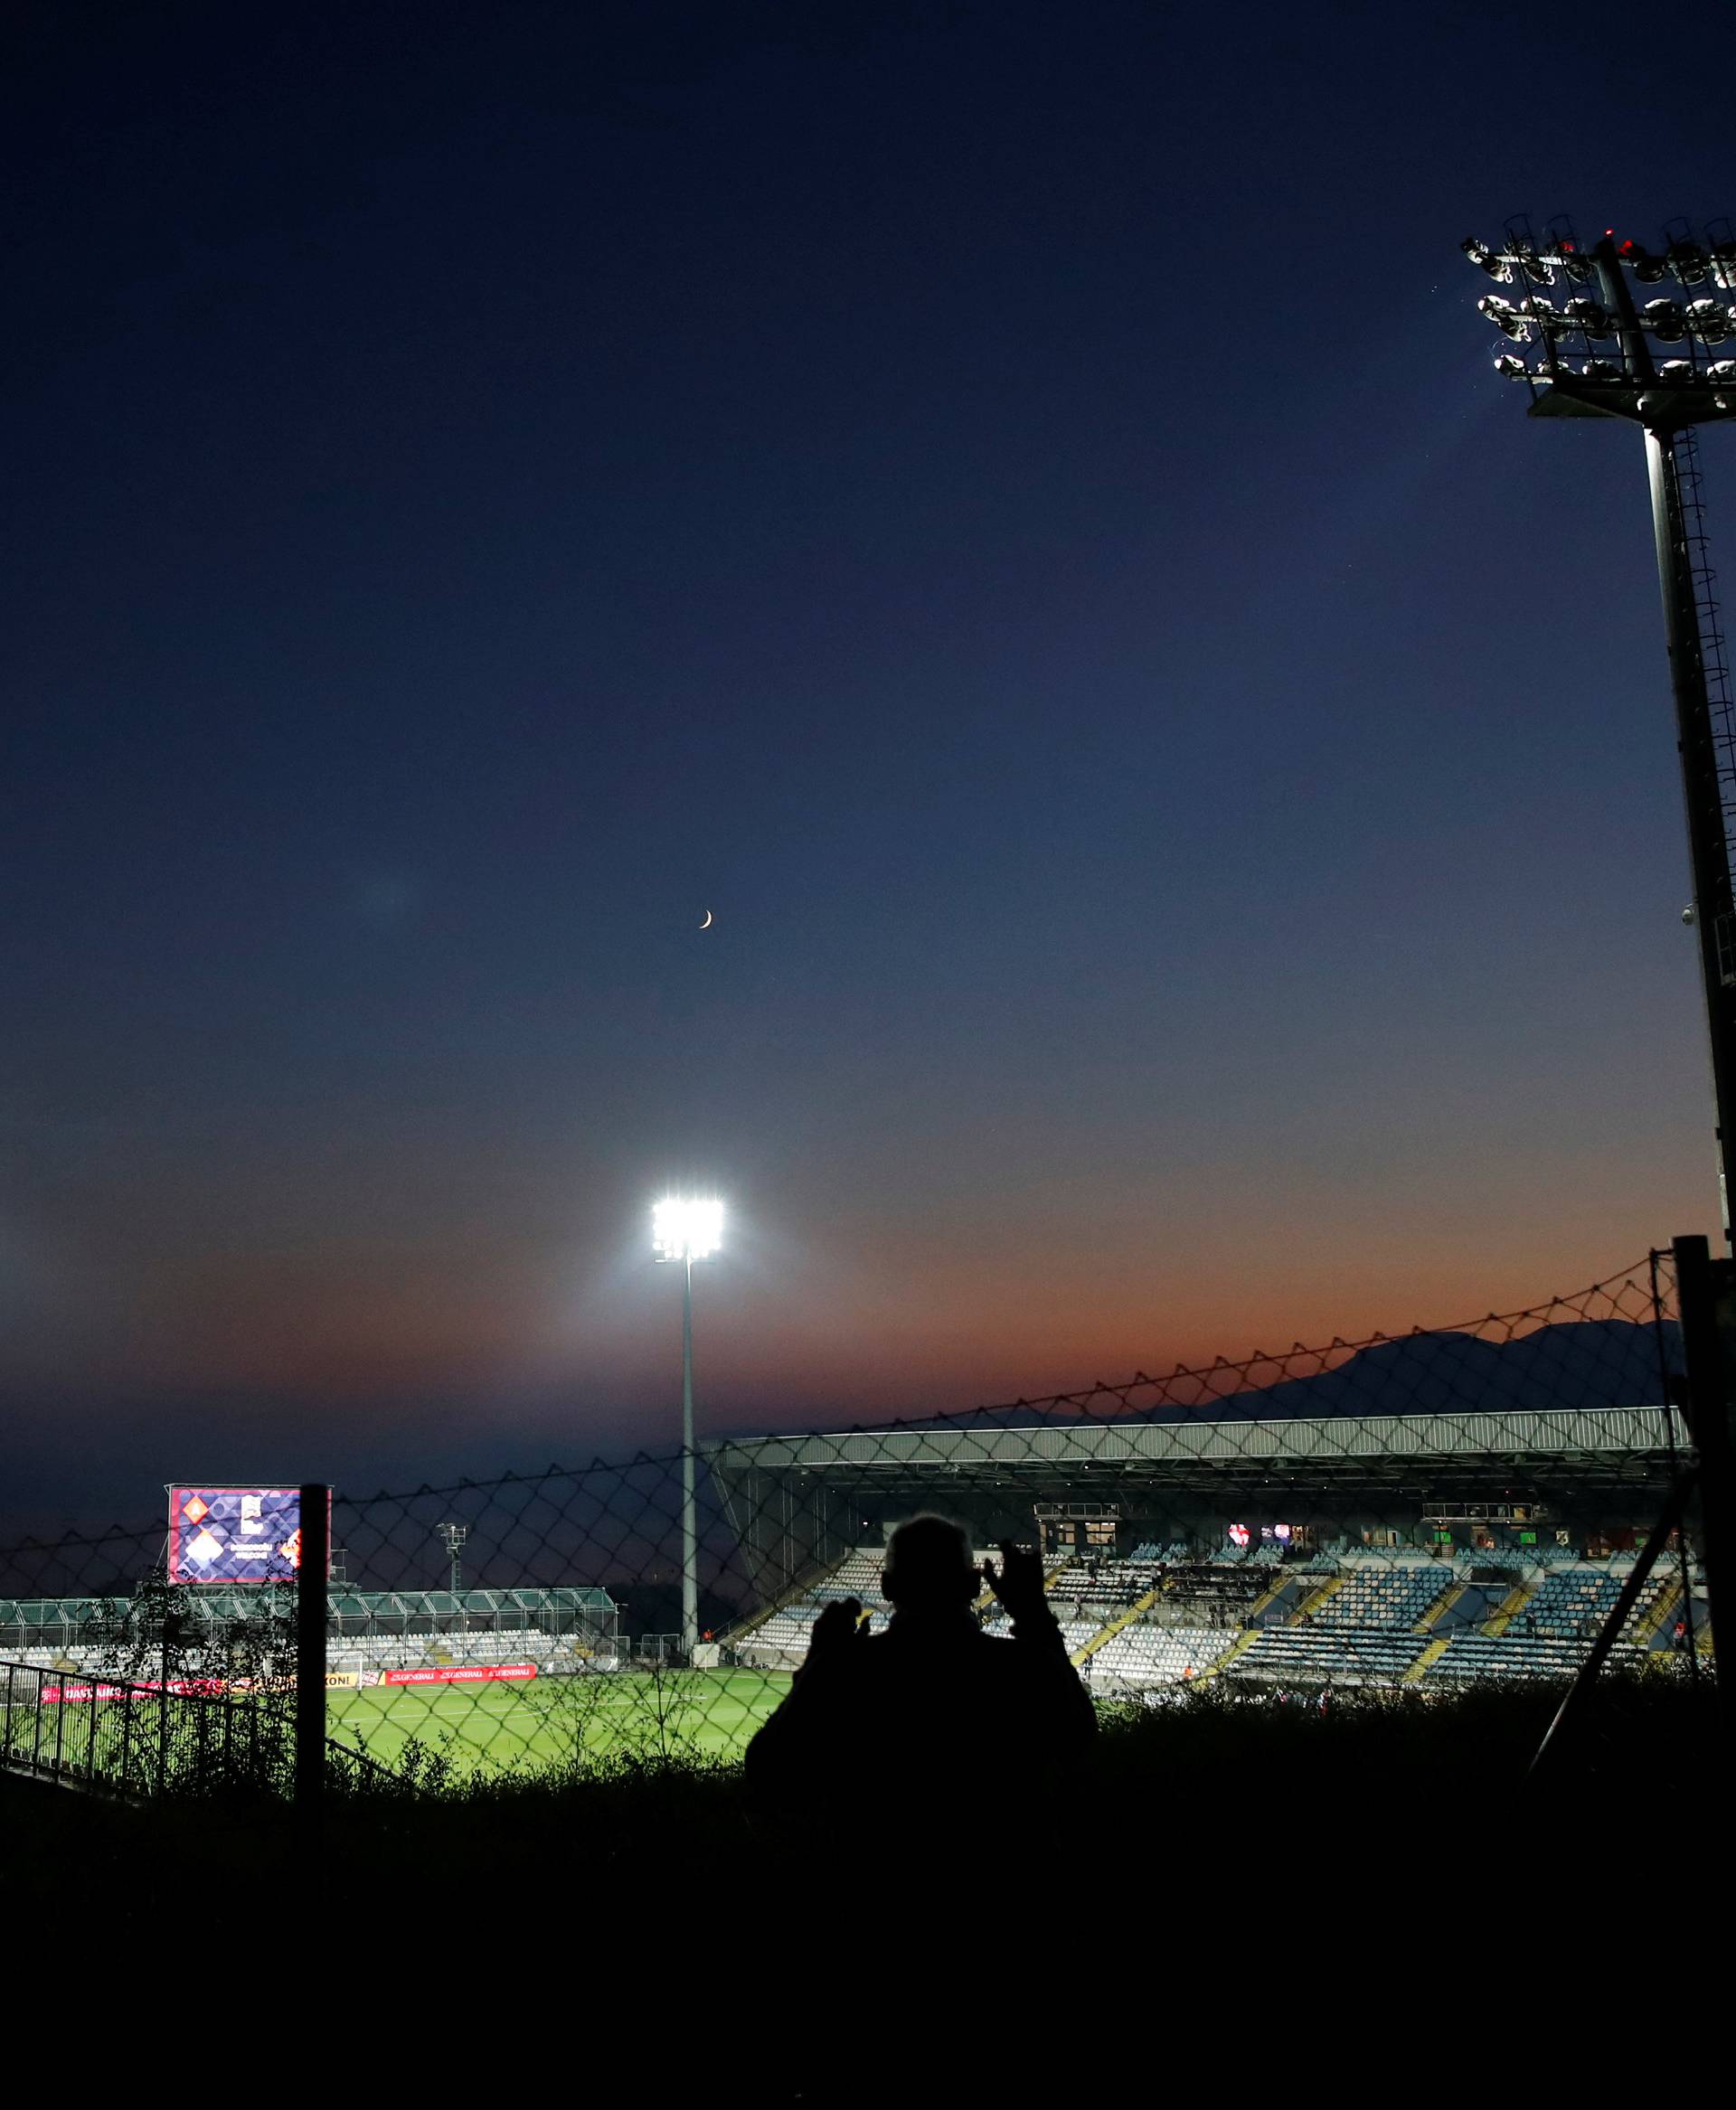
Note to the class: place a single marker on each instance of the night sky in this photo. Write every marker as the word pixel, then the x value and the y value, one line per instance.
pixel 1010 508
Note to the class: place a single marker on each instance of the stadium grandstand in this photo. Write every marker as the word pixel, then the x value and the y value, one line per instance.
pixel 1400 1549
pixel 1383 1550
pixel 371 1630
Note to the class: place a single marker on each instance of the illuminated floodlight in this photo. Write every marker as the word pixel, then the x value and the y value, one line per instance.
pixel 1485 260
pixel 1708 320
pixel 1577 268
pixel 1506 317
pixel 1690 262
pixel 1590 315
pixel 1647 268
pixel 1538 269
pixel 1663 394
pixel 686 1229
pixel 1668 380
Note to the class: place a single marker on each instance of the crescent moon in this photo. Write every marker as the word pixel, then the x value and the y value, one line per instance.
pixel 707 924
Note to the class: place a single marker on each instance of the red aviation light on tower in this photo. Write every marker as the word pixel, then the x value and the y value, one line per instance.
pixel 1645 267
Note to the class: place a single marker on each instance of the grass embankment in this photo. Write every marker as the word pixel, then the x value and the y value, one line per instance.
pixel 1219 1866
pixel 626 1790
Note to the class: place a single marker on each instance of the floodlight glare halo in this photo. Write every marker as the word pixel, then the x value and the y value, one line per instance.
pixel 686 1226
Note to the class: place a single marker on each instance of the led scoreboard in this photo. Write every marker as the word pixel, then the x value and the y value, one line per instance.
pixel 234 1534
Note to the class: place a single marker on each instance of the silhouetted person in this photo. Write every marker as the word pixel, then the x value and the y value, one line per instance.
pixel 932 1728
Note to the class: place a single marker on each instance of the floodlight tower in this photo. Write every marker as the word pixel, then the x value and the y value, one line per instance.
pixel 687 1230
pixel 453 1537
pixel 1602 354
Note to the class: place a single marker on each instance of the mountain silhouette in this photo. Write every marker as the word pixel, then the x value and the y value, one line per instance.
pixel 1586 1362
pixel 1578 1363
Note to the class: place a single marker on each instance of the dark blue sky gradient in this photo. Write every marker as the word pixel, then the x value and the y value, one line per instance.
pixel 1009 507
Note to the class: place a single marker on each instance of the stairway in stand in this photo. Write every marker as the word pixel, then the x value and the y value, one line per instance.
pixel 1650 1622
pixel 1431 1654
pixel 1439 1610
pixel 1311 1605
pixel 1115 1626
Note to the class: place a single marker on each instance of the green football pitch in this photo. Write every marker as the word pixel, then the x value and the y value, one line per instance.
pixel 548 1723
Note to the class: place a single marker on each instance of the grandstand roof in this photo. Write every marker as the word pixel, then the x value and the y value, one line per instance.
pixel 1603 1442
pixel 559 1597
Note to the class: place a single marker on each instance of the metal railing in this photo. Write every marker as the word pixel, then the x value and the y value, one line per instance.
pixel 125 1738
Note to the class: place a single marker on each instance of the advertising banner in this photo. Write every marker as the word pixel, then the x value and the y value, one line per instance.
pixel 206 1688
pixel 234 1534
pixel 459 1674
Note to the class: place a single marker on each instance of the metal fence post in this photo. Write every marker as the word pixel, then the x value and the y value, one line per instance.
pixel 1705 1292
pixel 1671 1524
pixel 311 1647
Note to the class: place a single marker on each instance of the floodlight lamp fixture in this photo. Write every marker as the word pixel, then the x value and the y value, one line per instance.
pixel 1648 268
pixel 1487 260
pixel 1589 316
pixel 1689 262
pixel 1611 351
pixel 1709 321
pixel 1602 350
pixel 686 1228
pixel 1506 317
pixel 1574 264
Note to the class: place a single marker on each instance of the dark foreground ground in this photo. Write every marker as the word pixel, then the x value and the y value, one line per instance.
pixel 1222 1870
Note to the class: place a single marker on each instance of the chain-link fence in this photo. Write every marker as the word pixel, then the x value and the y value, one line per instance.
pixel 1421 1514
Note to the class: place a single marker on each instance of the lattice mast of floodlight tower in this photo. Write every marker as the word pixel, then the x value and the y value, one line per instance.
pixel 453 1537
pixel 1666 398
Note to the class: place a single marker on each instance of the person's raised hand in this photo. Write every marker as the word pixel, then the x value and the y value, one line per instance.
pixel 834 1630
pixel 1017 1583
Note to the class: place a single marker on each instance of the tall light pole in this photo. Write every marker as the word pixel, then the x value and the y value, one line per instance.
pixel 1602 354
pixel 454 1535
pixel 686 1230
